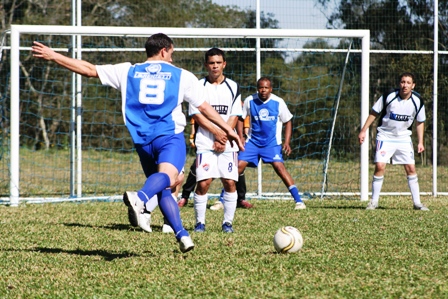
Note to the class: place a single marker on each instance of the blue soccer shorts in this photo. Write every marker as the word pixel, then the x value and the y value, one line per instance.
pixel 253 153
pixel 170 148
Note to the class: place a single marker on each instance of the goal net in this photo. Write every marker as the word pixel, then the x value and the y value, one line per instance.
pixel 63 135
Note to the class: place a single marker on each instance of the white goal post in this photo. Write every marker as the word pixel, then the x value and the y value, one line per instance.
pixel 17 30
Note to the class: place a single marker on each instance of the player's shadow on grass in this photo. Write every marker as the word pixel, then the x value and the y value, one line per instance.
pixel 107 256
pixel 112 226
pixel 119 226
pixel 337 207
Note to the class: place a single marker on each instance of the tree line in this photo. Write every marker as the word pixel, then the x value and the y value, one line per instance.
pixel 394 25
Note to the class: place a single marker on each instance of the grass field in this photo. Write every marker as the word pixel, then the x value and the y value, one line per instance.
pixel 88 250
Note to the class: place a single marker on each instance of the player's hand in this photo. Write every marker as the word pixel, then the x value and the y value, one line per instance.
pixel 42 51
pixel 218 147
pixel 287 149
pixel 420 148
pixel 361 137
pixel 192 140
pixel 234 139
pixel 220 136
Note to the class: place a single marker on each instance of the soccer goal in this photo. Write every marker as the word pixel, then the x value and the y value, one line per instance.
pixel 66 139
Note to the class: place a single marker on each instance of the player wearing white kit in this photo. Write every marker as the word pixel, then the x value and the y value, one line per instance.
pixel 397 111
pixel 213 158
pixel 152 94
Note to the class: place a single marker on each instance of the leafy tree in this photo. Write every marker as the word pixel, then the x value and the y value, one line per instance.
pixel 400 25
pixel 101 105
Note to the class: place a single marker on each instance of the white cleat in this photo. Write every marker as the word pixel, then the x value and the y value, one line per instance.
pixel 371 206
pixel 421 208
pixel 144 221
pixel 217 206
pixel 135 207
pixel 186 244
pixel 300 206
pixel 167 229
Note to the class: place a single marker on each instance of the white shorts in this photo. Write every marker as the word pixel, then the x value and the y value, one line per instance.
pixel 394 152
pixel 217 165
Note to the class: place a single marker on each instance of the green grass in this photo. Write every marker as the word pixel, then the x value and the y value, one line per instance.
pixel 88 250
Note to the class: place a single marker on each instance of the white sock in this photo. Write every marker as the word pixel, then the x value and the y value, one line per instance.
pixel 200 206
pixel 415 189
pixel 377 184
pixel 152 204
pixel 229 206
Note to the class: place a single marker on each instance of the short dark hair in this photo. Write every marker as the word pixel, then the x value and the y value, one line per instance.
pixel 157 42
pixel 214 52
pixel 264 79
pixel 407 74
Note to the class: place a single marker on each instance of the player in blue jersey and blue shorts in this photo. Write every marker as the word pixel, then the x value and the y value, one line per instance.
pixel 268 113
pixel 397 111
pixel 152 93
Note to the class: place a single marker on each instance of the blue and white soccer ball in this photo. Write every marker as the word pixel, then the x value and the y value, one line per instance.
pixel 288 239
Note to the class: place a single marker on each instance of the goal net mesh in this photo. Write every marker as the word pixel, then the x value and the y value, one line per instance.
pixel 306 73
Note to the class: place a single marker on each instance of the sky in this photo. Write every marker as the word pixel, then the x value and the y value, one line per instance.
pixel 291 14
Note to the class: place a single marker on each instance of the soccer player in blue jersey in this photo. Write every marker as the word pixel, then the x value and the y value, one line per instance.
pixel 268 113
pixel 152 94
pixel 397 111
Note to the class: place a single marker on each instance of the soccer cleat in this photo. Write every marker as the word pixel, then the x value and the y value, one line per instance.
pixel 166 228
pixel 135 207
pixel 144 221
pixel 421 208
pixel 199 227
pixel 300 206
pixel 227 228
pixel 182 202
pixel 217 206
pixel 244 204
pixel 186 244
pixel 371 206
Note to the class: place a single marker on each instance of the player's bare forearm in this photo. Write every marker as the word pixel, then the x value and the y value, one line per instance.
pixel 240 129
pixel 232 121
pixel 420 136
pixel 204 123
pixel 288 132
pixel 78 66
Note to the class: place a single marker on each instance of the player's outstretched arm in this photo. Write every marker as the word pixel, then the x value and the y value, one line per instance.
pixel 78 66
pixel 203 122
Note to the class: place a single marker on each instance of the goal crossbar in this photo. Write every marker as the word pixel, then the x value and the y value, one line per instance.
pixel 17 30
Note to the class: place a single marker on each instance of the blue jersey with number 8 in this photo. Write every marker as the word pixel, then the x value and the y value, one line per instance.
pixel 152 94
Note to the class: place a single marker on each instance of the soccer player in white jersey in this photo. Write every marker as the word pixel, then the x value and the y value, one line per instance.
pixel 215 159
pixel 397 112
pixel 152 93
pixel 268 113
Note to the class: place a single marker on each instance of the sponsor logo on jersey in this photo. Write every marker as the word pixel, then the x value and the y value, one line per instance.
pixel 398 117
pixel 206 167
pixel 263 115
pixel 153 71
pixel 221 109
pixel 277 157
